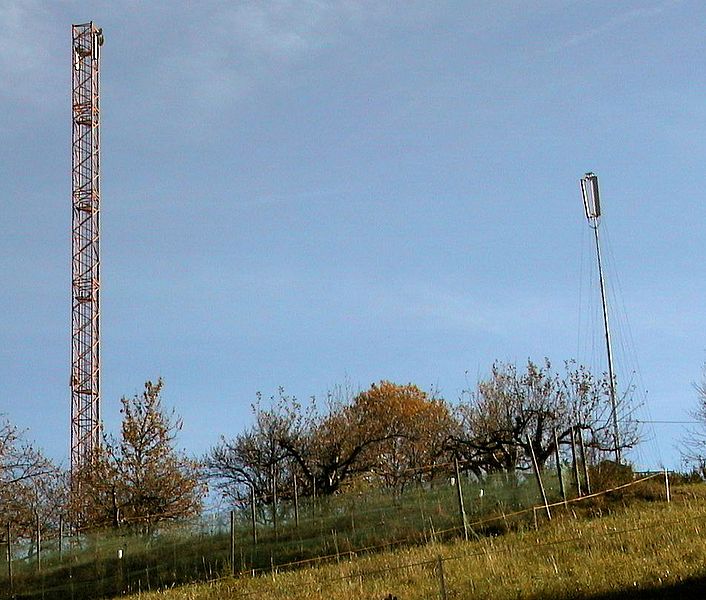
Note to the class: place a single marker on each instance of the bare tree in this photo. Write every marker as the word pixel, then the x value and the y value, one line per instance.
pixel 693 444
pixel 512 413
pixel 30 484
pixel 257 459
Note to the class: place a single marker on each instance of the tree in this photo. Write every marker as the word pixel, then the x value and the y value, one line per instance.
pixel 412 430
pixel 693 445
pixel 512 413
pixel 257 459
pixel 141 478
pixel 30 484
pixel 385 434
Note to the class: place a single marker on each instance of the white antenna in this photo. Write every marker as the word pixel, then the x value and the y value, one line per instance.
pixel 592 206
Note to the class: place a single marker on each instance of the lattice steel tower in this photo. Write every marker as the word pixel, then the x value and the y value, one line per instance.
pixel 85 281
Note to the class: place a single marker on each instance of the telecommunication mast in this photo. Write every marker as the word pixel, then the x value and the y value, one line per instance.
pixel 85 277
pixel 592 206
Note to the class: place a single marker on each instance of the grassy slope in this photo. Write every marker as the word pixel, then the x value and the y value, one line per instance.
pixel 648 549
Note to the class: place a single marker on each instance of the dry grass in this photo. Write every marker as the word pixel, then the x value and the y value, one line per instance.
pixel 608 549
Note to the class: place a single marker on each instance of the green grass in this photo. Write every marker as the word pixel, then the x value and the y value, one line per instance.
pixel 609 548
pixel 359 522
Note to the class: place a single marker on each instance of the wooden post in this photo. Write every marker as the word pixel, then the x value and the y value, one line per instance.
pixel 582 448
pixel 296 503
pixel 539 478
pixel 252 514
pixel 442 581
pixel 666 485
pixel 459 494
pixel 232 542
pixel 558 468
pixel 38 541
pixel 575 463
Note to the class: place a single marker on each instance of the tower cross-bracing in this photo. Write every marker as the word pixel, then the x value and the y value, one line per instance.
pixel 85 279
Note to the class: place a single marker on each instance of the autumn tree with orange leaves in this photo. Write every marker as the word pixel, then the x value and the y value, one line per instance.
pixel 413 427
pixel 141 478
pixel 391 434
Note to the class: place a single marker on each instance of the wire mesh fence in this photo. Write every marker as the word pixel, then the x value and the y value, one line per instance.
pixel 286 536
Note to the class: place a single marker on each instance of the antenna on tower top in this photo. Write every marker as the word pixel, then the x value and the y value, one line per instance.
pixel 591 197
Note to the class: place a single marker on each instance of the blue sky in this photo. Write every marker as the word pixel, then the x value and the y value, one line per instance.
pixel 299 193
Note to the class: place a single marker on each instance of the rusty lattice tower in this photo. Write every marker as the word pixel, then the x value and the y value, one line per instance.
pixel 85 279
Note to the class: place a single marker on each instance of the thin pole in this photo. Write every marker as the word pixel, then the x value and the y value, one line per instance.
pixel 313 496
pixel 575 461
pixel 666 485
pixel 459 494
pixel 582 449
pixel 252 514
pixel 61 536
pixel 539 478
pixel 38 541
pixel 609 349
pixel 558 468
pixel 232 542
pixel 274 499
pixel 9 556
pixel 296 503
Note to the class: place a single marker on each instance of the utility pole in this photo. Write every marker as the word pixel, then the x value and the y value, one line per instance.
pixel 87 39
pixel 592 206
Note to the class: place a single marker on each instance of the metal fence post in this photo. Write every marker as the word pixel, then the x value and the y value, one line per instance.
pixel 274 499
pixel 252 514
pixel 9 555
pixel 582 448
pixel 232 542
pixel 459 493
pixel 61 537
pixel 574 460
pixel 38 541
pixel 296 503
pixel 558 468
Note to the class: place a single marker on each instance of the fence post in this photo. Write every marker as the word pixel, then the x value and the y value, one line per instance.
pixel 558 468
pixel 9 556
pixel 666 485
pixel 313 497
pixel 252 514
pixel 574 461
pixel 459 494
pixel 296 503
pixel 442 581
pixel 539 478
pixel 38 541
pixel 61 538
pixel 582 448
pixel 274 499
pixel 232 542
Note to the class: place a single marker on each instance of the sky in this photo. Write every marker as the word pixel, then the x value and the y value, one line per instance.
pixel 305 193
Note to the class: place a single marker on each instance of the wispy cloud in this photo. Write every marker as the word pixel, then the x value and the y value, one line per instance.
pixel 614 23
pixel 473 314
pixel 233 48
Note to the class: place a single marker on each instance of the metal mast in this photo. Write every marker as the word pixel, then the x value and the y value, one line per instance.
pixel 592 206
pixel 85 280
